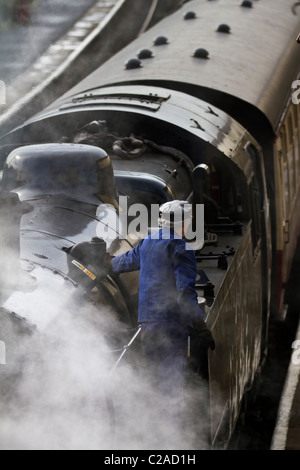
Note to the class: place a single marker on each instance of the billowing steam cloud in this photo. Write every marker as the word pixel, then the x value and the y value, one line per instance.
pixel 68 395
pixel 59 388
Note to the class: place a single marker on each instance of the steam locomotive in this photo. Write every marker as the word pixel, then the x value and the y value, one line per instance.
pixel 198 108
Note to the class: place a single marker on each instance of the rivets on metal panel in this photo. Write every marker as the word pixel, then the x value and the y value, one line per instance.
pixel 247 4
pixel 160 41
pixel 190 15
pixel 133 64
pixel 201 53
pixel 223 28
pixel 145 54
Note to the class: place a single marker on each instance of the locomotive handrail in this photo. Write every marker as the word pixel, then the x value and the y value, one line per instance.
pixel 296 4
pixel 126 347
pixel 120 102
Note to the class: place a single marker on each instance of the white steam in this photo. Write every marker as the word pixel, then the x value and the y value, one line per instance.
pixel 67 396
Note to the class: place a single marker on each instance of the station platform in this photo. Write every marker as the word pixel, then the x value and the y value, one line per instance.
pixel 287 430
pixel 60 45
pixel 34 56
pixel 22 43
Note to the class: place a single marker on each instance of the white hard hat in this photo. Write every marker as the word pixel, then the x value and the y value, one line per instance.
pixel 175 213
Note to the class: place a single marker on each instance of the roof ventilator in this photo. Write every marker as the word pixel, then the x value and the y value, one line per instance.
pixel 145 54
pixel 223 28
pixel 201 53
pixel 133 64
pixel 160 41
pixel 190 15
pixel 247 4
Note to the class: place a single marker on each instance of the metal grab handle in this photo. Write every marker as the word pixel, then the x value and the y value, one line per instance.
pixel 296 4
pixel 127 347
pixel 286 231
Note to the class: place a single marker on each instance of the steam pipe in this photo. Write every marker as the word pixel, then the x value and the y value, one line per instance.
pixel 199 176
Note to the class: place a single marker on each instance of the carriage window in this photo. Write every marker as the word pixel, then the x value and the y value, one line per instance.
pixel 290 129
pixel 291 154
pixel 283 141
pixel 255 212
pixel 296 116
pixel 285 169
pixel 256 190
pixel 296 112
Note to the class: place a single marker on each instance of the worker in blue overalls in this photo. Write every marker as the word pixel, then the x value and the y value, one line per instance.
pixel 168 302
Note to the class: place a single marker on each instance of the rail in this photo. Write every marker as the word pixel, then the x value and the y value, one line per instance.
pixel 99 34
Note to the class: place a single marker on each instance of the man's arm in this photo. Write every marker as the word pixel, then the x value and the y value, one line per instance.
pixel 185 271
pixel 127 262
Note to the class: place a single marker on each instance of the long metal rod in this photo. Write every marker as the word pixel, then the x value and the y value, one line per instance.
pixel 108 398
pixel 125 349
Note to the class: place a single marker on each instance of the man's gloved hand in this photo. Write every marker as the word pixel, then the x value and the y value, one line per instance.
pixel 204 334
pixel 104 268
pixel 108 261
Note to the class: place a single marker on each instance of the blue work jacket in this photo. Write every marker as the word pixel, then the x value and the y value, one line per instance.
pixel 167 278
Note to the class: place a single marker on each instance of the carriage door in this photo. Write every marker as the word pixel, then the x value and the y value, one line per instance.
pixel 261 231
pixel 287 173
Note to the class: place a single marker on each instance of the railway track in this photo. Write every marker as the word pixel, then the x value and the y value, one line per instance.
pixel 103 30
